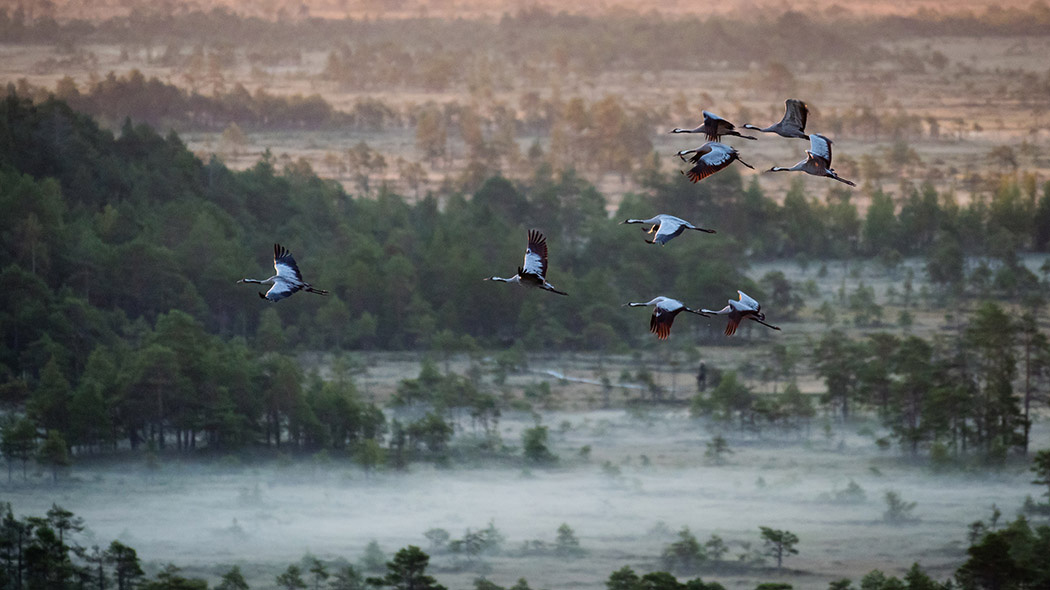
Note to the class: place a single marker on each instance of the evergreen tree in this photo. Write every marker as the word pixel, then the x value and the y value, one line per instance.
pixel 125 563
pixel 54 454
pixel 408 571
pixel 291 578
pixel 18 443
pixel 233 579
pixel 779 543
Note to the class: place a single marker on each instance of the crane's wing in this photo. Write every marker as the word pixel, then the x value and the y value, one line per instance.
pixel 714 120
pixel 660 323
pixel 796 113
pixel 285 266
pixel 669 228
pixel 748 300
pixel 536 255
pixel 734 322
pixel 820 147
pixel 710 158
pixel 280 290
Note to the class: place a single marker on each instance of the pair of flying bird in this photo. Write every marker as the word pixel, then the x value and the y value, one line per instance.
pixel 714 155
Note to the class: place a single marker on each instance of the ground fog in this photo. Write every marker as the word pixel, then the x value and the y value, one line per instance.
pixel 644 478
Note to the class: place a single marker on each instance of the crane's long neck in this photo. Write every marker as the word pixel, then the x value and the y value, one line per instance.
pixel 268 281
pixel 635 304
pixel 513 279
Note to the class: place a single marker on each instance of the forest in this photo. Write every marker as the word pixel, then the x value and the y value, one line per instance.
pixel 127 324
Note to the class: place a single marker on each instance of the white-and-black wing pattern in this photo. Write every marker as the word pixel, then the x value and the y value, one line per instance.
pixel 820 147
pixel 536 255
pixel 285 265
pixel 280 290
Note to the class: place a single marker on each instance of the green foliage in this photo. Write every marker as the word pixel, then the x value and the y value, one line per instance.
pixel 291 578
pixel 1041 469
pixel 717 449
pixel 18 443
pixel 898 511
pixel 233 579
pixel 53 453
pixel 1013 557
pixel 779 543
pixel 566 544
pixel 407 571
pixel 534 446
pixel 374 559
pixel 347 578
pixel 685 555
pixel 169 579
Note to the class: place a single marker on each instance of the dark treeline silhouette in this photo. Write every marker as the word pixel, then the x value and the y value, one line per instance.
pixel 166 105
pixel 45 552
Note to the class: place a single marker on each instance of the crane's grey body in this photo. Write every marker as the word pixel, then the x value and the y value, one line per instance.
pixel 666 227
pixel 664 311
pixel 743 308
pixel 792 125
pixel 713 127
pixel 817 162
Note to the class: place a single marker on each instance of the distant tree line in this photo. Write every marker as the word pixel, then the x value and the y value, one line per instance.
pixel 973 393
pixel 535 39
pixel 969 394
pixel 43 552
